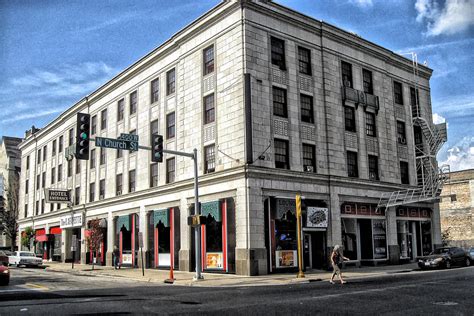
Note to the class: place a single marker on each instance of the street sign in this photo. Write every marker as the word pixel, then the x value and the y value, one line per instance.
pixel 57 196
pixel 116 143
pixel 70 151
pixel 140 239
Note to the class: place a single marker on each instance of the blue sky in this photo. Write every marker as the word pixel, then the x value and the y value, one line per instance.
pixel 54 52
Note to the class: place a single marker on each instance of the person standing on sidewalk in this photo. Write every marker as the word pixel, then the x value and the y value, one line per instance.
pixel 116 254
pixel 336 261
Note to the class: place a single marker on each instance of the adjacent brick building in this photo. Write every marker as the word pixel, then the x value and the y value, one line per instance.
pixel 277 103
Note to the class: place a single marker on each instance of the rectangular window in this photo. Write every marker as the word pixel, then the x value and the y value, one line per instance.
pixel 397 89
pixel 53 175
pixel 209 112
pixel 102 189
pixel 414 97
pixel 102 156
pixel 131 181
pixel 38 156
pixel 346 74
pixel 94 125
pixel 37 208
pixel 119 153
pixel 209 159
pixel 60 173
pixel 45 153
pixel 118 184
pixel 60 146
pixel 43 180
pixel 58 206
pixel 279 102
pixel 170 82
pixel 401 135
pixel 373 168
pixel 77 196
pixel 133 102
pixel 170 167
pixel 307 109
pixel 153 129
pixel 53 149
pixel 78 166
pixel 352 168
pixel 309 158
pixel 92 159
pixel 208 58
pixel 38 181
pixel 103 119
pixel 153 175
pixel 404 172
pixel 170 125
pixel 368 85
pixel 370 126
pixel 71 137
pixel 69 168
pixel 27 162
pixel 155 90
pixel 120 109
pixel 349 119
pixel 42 206
pixel 281 154
pixel 304 61
pixel 278 52
pixel 27 186
pixel 26 211
pixel 92 192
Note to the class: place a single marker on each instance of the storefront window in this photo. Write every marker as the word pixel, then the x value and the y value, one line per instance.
pixel 426 237
pixel 404 239
pixel 380 238
pixel 349 237
pixel 163 239
pixel 285 232
pixel 213 235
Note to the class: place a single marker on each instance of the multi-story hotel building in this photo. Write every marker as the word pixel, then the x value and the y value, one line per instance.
pixel 277 103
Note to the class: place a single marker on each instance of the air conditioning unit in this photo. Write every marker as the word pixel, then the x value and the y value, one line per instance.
pixel 119 192
pixel 101 197
pixel 309 168
pixel 402 140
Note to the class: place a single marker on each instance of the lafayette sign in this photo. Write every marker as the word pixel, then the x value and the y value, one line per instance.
pixel 71 221
pixel 57 196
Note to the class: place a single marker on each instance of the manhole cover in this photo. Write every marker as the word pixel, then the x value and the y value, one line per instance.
pixel 446 303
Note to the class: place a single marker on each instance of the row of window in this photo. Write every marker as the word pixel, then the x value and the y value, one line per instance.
pixel 353 169
pixel 280 105
pixel 279 60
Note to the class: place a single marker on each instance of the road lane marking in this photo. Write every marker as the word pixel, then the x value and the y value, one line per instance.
pixel 36 286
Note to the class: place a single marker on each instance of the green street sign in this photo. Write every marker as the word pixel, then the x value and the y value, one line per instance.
pixel 116 143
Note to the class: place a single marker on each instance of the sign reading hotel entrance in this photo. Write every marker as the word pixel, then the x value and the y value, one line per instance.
pixel 116 143
pixel 57 196
pixel 71 221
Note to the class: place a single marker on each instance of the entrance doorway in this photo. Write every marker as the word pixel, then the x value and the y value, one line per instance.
pixel 314 250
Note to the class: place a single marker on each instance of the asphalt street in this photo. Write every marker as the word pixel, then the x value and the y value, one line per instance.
pixel 438 292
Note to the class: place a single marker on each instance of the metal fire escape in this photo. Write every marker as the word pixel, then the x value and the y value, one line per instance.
pixel 430 178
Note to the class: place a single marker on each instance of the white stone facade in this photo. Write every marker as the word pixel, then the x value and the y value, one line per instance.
pixel 240 33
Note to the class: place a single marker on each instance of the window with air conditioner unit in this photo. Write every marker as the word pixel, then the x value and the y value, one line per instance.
pixel 402 140
pixel 119 192
pixel 309 168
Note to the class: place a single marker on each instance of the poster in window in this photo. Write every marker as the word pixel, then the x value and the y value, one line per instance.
pixel 317 217
pixel 286 258
pixel 214 260
pixel 126 258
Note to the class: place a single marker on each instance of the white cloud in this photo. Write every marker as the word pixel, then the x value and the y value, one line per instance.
pixel 362 3
pixel 461 155
pixel 438 119
pixel 30 114
pixel 456 15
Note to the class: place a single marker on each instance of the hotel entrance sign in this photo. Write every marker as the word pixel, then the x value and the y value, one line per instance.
pixel 57 196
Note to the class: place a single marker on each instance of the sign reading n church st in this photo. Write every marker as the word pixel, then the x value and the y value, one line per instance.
pixel 57 196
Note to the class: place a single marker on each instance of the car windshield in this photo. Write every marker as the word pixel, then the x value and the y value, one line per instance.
pixel 441 251
pixel 27 254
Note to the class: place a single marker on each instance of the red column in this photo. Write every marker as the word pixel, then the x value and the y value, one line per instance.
pixel 120 246
pixel 224 235
pixel 156 246
pixel 203 247
pixel 133 240
pixel 171 214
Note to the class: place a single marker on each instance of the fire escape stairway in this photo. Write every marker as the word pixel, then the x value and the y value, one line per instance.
pixel 430 177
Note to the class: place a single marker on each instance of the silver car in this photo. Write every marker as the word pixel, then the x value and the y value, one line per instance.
pixel 25 258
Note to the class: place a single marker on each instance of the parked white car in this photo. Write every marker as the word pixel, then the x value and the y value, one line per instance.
pixel 25 258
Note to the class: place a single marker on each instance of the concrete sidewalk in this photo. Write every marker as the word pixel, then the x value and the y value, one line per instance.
pixel 226 280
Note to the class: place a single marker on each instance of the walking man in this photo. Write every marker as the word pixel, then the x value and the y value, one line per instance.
pixel 336 261
pixel 116 254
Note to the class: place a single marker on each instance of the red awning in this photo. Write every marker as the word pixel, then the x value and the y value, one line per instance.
pixel 55 230
pixel 42 238
pixel 40 232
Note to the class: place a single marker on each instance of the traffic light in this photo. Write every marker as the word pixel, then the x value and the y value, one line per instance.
pixel 157 148
pixel 83 136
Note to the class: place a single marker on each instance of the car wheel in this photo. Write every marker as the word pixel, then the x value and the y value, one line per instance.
pixel 448 264
pixel 467 262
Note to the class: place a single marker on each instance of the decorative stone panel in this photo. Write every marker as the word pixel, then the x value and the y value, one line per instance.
pixel 209 132
pixel 279 76
pixel 208 83
pixel 305 83
pixel 372 145
pixel 280 127
pixel 170 104
pixel 308 133
pixel 400 112
pixel 350 140
pixel 402 152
